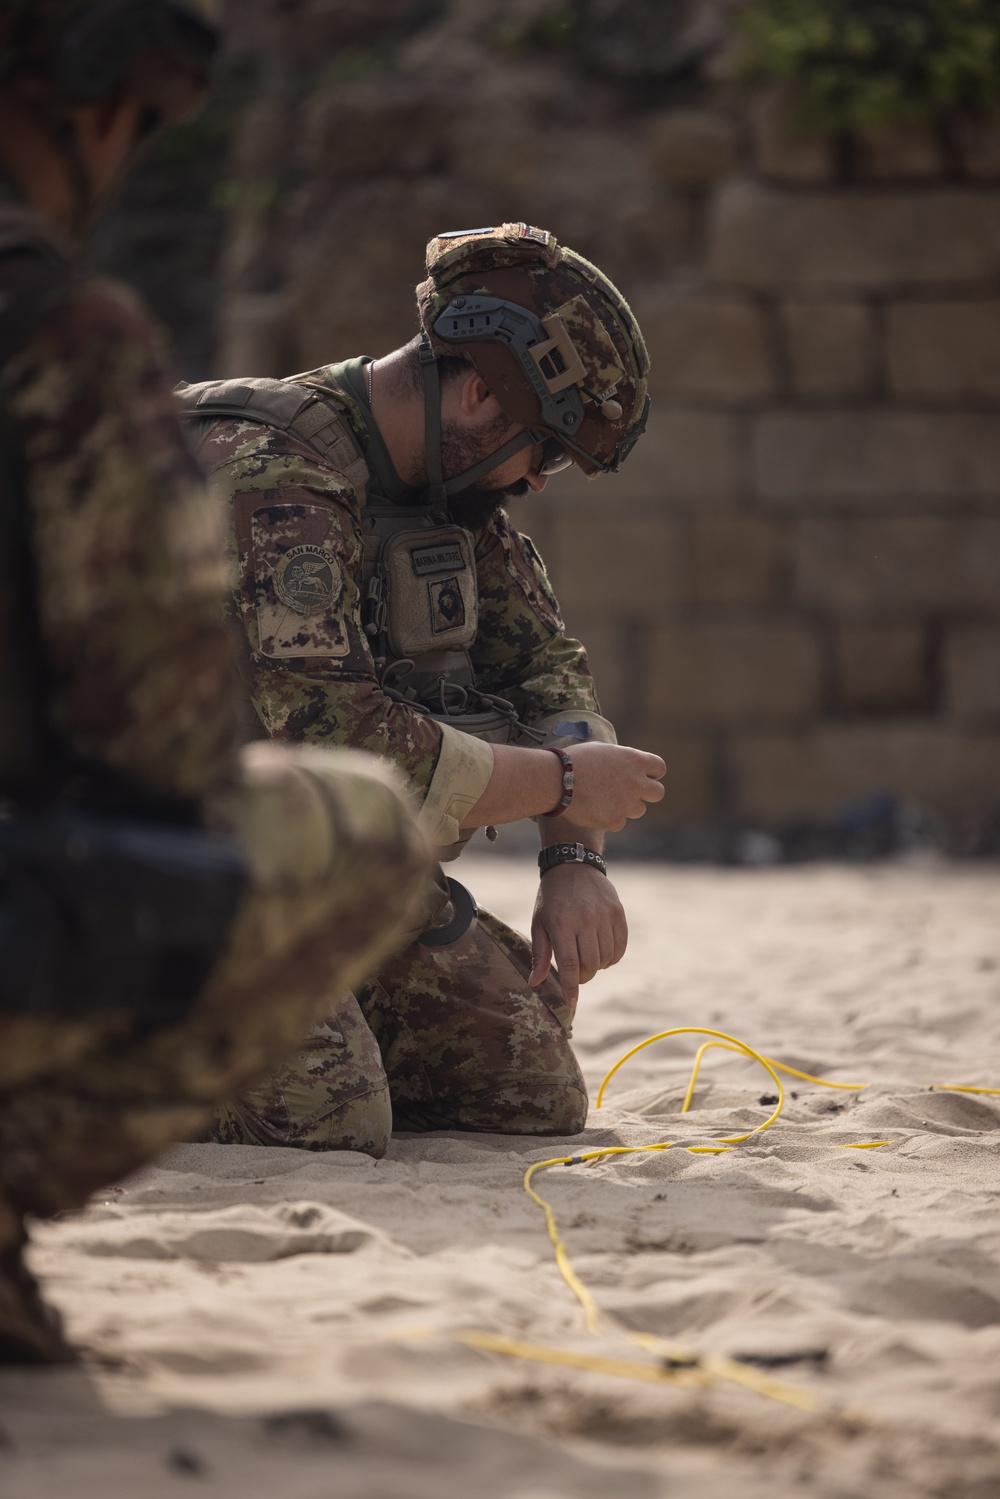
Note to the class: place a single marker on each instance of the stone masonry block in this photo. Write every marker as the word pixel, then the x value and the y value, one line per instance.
pixel 707 349
pixel 616 565
pixel 972 670
pixel 783 149
pixel 882 668
pixel 725 672
pixel 685 459
pixel 980 147
pixel 655 233
pixel 876 568
pixel 947 349
pixel 871 457
pixel 761 237
pixel 689 782
pixel 691 147
pixel 831 347
pixel 739 560
pixel 902 152
pixel 812 775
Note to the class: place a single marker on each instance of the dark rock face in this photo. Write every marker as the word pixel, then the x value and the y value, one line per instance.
pixel 790 591
pixel 291 219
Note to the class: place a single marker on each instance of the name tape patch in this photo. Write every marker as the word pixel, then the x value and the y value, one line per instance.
pixel 434 559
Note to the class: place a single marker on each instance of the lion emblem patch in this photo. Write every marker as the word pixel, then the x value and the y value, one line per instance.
pixel 308 579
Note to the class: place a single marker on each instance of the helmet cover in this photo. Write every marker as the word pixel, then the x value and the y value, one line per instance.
pixel 550 334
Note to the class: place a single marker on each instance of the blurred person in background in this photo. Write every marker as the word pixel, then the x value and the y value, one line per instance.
pixel 387 603
pixel 173 913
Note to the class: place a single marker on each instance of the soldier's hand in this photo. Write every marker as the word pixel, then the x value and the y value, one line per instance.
pixel 579 924
pixel 613 783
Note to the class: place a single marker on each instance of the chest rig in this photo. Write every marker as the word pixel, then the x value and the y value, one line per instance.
pixel 419 590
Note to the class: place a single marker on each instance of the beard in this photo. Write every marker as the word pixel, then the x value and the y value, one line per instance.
pixel 476 506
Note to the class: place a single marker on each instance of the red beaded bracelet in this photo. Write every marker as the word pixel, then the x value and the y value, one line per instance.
pixel 568 781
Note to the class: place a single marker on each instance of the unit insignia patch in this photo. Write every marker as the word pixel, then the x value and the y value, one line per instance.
pixel 308 579
pixel 447 605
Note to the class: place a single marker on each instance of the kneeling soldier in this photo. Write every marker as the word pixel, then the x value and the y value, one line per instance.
pixel 386 602
pixel 172 914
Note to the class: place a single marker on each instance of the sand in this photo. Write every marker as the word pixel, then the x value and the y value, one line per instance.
pixel 268 1322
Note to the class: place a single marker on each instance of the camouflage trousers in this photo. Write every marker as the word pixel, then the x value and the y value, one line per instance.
pixel 442 1038
pixel 337 872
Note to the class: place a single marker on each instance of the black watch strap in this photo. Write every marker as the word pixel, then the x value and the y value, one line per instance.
pixel 569 853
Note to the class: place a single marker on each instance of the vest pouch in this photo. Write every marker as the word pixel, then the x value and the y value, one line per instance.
pixel 433 598
pixel 102 915
pixel 493 726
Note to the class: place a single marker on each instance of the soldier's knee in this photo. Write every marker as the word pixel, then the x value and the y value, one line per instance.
pixel 551 1108
pixel 523 1106
pixel 362 1124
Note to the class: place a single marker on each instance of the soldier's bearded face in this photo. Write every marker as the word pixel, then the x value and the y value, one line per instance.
pixel 461 449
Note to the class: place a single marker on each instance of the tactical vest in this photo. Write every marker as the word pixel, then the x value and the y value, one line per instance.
pixel 419 589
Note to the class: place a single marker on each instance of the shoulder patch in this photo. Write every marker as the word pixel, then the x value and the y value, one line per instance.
pixel 309 580
pixel 298 581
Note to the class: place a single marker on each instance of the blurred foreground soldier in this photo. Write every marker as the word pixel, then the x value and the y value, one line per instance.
pixel 389 604
pixel 171 915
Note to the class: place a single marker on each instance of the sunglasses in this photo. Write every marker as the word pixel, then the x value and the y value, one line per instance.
pixel 554 458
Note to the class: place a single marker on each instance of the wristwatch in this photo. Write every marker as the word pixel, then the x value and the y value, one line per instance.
pixel 569 853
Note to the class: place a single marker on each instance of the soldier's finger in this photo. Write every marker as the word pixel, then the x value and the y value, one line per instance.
pixel 541 955
pixel 568 969
pixel 653 791
pixel 621 936
pixel 606 942
pixel 655 766
pixel 588 951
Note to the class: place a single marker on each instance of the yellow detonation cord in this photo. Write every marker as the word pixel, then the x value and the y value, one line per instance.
pixel 673 1365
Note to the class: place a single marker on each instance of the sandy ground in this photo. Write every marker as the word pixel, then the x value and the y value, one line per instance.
pixel 265 1322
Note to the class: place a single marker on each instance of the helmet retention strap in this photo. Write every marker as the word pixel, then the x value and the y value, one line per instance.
pixel 432 425
pixel 439 489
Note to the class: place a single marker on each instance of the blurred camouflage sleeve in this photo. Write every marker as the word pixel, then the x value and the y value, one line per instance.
pixel 522 651
pixel 130 569
pixel 296 547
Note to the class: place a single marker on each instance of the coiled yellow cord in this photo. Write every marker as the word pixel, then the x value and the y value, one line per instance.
pixel 675 1366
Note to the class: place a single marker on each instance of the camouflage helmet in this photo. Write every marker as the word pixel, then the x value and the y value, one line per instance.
pixel 553 338
pixel 78 51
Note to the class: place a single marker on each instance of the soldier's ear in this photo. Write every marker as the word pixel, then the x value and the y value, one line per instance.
pixel 476 401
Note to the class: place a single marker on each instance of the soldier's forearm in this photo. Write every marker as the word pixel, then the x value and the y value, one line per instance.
pixel 524 783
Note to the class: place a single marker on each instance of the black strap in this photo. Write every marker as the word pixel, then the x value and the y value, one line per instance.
pixel 439 489
pixel 570 853
pixel 432 426
pixel 465 911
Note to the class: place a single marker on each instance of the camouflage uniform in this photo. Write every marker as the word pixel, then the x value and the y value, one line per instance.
pixel 462 1041
pixel 129 577
pixel 358 598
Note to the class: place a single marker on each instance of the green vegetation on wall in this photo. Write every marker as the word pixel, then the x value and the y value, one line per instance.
pixel 855 64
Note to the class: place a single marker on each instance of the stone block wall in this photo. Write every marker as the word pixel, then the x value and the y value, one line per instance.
pixel 793 588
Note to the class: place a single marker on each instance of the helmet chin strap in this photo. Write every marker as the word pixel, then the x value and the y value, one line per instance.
pixel 440 489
